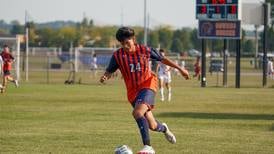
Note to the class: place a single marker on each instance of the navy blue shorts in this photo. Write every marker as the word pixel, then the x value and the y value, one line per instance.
pixel 145 96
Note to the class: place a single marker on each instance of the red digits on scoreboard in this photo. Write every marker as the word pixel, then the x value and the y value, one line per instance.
pixel 203 9
pixel 213 1
pixel 218 1
pixel 222 1
pixel 233 9
pixel 217 9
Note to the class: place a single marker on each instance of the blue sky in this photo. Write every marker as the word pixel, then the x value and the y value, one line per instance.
pixel 177 13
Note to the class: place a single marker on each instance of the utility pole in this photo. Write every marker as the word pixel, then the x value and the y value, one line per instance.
pixel 145 22
pixel 27 46
pixel 225 53
pixel 238 63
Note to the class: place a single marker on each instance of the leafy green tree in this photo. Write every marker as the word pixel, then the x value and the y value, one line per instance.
pixel 185 38
pixel 176 45
pixel 140 37
pixel 196 43
pixel 47 37
pixel 17 28
pixel 153 39
pixel 165 37
pixel 248 46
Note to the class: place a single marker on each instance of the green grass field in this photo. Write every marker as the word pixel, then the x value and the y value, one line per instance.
pixel 93 118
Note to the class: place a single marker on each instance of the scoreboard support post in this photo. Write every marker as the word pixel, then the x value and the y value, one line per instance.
pixel 238 63
pixel 225 54
pixel 204 47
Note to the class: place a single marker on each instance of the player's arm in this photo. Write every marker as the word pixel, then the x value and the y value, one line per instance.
pixel 155 55
pixel 112 67
pixel 170 63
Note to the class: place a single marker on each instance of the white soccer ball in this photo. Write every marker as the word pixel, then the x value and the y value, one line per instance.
pixel 123 149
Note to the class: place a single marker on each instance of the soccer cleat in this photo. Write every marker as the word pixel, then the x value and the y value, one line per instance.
pixel 147 150
pixel 16 83
pixel 169 135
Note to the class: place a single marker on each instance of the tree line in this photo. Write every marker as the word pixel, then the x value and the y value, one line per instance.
pixel 86 34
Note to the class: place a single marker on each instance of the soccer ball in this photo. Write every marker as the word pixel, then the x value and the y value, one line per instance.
pixel 123 149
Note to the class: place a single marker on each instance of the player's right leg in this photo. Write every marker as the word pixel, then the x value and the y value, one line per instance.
pixel 138 114
pixel 144 102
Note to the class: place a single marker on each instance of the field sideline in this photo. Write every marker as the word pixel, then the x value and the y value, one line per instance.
pixel 93 118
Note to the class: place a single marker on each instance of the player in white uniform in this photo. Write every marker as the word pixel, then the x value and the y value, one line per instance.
pixel 164 75
pixel 94 66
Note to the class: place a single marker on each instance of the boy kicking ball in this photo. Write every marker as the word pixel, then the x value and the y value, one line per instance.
pixel 132 60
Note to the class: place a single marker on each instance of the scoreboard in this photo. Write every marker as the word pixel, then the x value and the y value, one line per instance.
pixel 217 9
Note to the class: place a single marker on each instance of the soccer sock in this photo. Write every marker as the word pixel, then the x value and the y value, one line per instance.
pixel 169 94
pixel 162 93
pixel 160 127
pixel 143 127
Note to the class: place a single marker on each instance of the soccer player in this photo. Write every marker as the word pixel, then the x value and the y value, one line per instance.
pixel 164 75
pixel 197 68
pixel 132 60
pixel 7 62
pixel 94 65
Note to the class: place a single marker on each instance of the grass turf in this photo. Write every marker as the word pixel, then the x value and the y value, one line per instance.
pixel 39 118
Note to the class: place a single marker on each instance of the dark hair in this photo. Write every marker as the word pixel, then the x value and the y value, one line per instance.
pixel 124 33
pixel 162 50
pixel 5 46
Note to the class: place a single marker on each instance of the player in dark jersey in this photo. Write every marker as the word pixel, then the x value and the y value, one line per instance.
pixel 7 59
pixel 132 60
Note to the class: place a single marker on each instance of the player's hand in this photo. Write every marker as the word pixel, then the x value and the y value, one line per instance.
pixel 103 79
pixel 185 74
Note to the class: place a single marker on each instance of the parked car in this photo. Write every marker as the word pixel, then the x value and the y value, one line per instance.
pixel 216 65
pixel 194 53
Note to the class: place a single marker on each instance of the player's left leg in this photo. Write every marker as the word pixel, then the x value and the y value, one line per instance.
pixel 155 125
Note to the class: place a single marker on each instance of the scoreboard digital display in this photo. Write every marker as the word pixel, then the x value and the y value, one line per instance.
pixel 217 9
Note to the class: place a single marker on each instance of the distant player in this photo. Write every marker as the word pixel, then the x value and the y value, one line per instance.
pixel 197 68
pixel 94 62
pixel 1 72
pixel 270 70
pixel 94 65
pixel 7 62
pixel 133 62
pixel 164 75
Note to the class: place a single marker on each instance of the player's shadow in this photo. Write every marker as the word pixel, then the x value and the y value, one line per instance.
pixel 228 116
